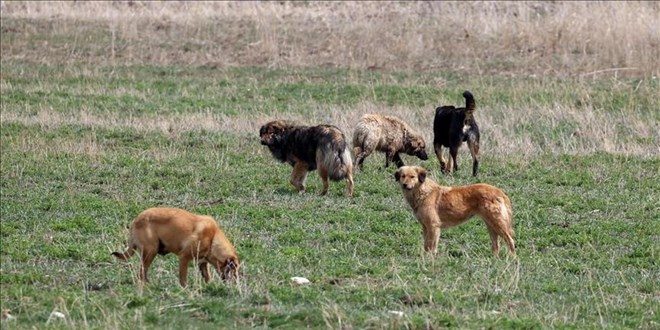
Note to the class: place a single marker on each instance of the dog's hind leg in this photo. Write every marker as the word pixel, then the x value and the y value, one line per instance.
pixel 359 158
pixel 495 234
pixel 438 153
pixel 147 258
pixel 452 164
pixel 349 183
pixel 323 173
pixel 494 241
pixel 474 150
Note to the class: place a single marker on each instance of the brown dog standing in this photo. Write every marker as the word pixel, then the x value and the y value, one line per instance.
pixel 437 207
pixel 388 134
pixel 190 236
pixel 307 148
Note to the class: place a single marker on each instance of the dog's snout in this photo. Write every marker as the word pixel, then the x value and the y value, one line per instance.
pixel 265 140
pixel 422 155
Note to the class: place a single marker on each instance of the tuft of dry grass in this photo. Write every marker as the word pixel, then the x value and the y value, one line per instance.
pixel 530 38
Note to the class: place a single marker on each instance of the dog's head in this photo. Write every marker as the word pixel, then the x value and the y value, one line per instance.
pixel 228 269
pixel 415 146
pixel 271 131
pixel 223 257
pixel 410 177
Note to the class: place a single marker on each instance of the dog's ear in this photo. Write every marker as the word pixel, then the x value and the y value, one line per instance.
pixel 421 174
pixel 397 175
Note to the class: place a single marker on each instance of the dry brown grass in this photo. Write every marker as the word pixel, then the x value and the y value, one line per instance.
pixel 540 38
pixel 527 134
pixel 589 39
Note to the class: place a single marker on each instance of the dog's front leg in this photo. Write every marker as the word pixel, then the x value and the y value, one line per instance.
pixel 397 160
pixel 298 176
pixel 474 150
pixel 204 269
pixel 452 165
pixel 432 238
pixel 184 261
pixel 349 184
pixel 431 229
pixel 424 235
pixel 323 173
pixel 390 155
pixel 438 153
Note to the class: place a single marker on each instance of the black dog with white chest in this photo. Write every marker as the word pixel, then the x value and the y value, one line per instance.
pixel 451 127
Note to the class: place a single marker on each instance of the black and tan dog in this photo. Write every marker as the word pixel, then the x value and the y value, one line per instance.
pixel 437 207
pixel 453 126
pixel 388 134
pixel 190 236
pixel 307 148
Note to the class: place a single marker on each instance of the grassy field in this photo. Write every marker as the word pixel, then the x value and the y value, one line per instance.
pixel 93 130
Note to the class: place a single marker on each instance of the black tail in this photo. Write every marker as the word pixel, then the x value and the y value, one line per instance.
pixel 470 106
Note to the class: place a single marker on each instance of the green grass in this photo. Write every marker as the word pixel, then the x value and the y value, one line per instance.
pixel 149 90
pixel 587 224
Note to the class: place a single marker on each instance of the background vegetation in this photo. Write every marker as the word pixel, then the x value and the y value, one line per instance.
pixel 109 108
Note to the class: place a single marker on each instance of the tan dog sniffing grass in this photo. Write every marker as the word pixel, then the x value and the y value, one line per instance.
pixel 438 207
pixel 388 134
pixel 190 236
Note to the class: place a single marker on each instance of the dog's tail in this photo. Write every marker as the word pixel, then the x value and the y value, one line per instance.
pixel 470 106
pixel 507 215
pixel 338 161
pixel 125 255
pixel 335 157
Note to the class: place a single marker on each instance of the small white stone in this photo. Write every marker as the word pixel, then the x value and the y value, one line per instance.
pixel 57 315
pixel 299 280
pixel 397 313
